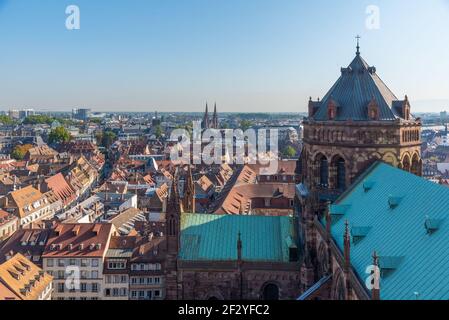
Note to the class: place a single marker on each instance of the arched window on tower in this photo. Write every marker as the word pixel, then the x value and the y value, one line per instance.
pixel 324 172
pixel 171 226
pixel 270 292
pixel 416 165
pixel 341 174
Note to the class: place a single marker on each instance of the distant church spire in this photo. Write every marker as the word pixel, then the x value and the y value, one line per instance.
pixel 206 118
pixel 358 45
pixel 215 117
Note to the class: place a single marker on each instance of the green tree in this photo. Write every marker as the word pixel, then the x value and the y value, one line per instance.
pixel 20 151
pixel 96 120
pixel 289 152
pixel 245 125
pixel 59 135
pixel 38 119
pixel 188 127
pixel 108 138
pixel 6 120
pixel 158 131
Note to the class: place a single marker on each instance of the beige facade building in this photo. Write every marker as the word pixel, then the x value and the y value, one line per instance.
pixel 74 256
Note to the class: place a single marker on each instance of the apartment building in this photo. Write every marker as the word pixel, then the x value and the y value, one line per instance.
pixel 30 205
pixel 117 266
pixel 147 277
pixel 9 224
pixel 74 256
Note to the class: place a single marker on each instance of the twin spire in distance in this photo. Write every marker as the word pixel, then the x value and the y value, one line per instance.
pixel 207 123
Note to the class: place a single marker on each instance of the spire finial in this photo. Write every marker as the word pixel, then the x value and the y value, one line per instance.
pixel 358 44
pixel 375 259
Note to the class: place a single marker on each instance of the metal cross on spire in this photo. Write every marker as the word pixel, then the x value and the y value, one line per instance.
pixel 358 44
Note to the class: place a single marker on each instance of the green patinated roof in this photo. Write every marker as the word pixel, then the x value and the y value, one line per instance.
pixel 412 259
pixel 207 237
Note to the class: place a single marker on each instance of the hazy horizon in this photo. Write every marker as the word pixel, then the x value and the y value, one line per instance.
pixel 248 56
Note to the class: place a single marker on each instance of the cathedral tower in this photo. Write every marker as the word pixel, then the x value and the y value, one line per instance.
pixel 189 193
pixel 172 234
pixel 358 122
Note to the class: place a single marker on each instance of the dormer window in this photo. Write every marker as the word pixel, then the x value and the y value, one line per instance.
pixel 388 264
pixel 393 201
pixel 373 110
pixel 368 185
pixel 432 225
pixel 332 109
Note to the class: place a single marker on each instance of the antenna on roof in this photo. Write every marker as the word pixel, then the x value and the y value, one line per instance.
pixel 358 44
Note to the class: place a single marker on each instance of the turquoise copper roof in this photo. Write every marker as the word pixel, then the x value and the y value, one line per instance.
pixel 411 238
pixel 206 237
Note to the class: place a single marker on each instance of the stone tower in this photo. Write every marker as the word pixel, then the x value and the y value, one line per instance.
pixel 359 121
pixel 188 203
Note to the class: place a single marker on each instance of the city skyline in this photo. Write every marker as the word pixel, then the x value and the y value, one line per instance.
pixel 254 56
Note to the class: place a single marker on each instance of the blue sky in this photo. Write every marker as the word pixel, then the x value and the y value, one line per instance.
pixel 247 55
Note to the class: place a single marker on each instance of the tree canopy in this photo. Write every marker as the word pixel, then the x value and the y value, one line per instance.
pixel 245 125
pixel 20 151
pixel 6 120
pixel 106 138
pixel 289 152
pixel 59 135
pixel 158 131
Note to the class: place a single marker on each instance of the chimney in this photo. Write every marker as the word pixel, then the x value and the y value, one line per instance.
pixel 96 229
pixel 76 230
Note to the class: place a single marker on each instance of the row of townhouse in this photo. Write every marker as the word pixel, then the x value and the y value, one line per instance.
pixel 87 262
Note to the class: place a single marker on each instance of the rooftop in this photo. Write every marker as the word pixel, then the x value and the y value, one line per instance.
pixel 24 278
pixel 405 219
pixel 78 240
pixel 357 86
pixel 214 237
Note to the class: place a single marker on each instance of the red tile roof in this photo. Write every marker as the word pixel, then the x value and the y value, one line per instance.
pixel 61 188
pixel 79 240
